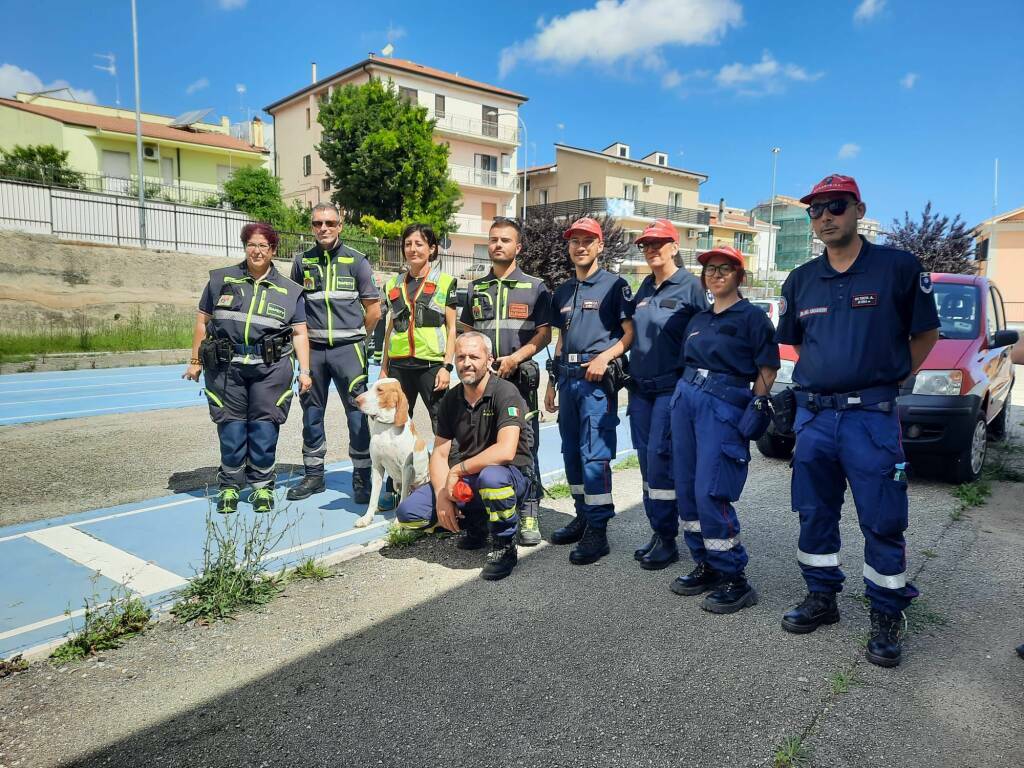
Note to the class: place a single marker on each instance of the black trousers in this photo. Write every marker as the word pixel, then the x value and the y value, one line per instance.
pixel 417 378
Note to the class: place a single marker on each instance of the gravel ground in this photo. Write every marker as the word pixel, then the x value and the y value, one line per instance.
pixel 405 657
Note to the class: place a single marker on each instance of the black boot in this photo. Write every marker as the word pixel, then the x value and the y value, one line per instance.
pixel 310 484
pixel 592 547
pixel 361 485
pixel 885 648
pixel 639 552
pixel 734 594
pixel 701 579
pixel 571 532
pixel 662 555
pixel 1020 650
pixel 816 609
pixel 500 560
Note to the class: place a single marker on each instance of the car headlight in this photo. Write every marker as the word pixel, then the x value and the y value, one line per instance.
pixel 785 374
pixel 938 382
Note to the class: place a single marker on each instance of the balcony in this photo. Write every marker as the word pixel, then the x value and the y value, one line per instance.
pixel 707 243
pixel 474 226
pixel 487 131
pixel 477 177
pixel 623 209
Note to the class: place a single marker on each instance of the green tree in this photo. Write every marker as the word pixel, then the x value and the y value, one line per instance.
pixel 382 159
pixel 257 192
pixel 39 162
pixel 940 244
pixel 545 253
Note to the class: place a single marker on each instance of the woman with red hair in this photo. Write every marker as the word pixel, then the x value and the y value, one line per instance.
pixel 251 322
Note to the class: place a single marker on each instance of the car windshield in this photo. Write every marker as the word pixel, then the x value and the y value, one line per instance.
pixel 959 310
pixel 764 306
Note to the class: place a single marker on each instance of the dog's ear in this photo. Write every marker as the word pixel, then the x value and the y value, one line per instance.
pixel 401 408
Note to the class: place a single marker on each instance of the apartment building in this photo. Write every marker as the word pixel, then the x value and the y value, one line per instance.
pixel 740 229
pixel 999 251
pixel 479 122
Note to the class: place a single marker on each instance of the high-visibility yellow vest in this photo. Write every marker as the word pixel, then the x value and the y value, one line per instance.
pixel 418 328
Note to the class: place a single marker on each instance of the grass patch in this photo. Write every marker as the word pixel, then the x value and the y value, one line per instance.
pixel 81 334
pixel 921 616
pixel 309 569
pixel 558 491
pixel 630 462
pixel 999 465
pixel 105 627
pixel 399 537
pixel 929 553
pixel 792 753
pixel 232 577
pixel 972 494
pixel 841 682
pixel 12 666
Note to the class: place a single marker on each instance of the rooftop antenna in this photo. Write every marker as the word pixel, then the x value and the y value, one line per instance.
pixel 110 69
pixel 241 89
pixel 387 50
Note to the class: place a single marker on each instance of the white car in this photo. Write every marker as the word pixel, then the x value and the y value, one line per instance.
pixel 771 306
pixel 475 271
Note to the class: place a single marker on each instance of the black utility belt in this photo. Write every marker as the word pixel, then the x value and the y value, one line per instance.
pixel 731 389
pixel 874 398
pixel 218 353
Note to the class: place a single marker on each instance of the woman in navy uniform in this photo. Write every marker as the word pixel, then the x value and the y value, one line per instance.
pixel 256 317
pixel 662 308
pixel 714 416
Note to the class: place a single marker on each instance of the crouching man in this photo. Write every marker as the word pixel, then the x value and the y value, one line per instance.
pixel 476 468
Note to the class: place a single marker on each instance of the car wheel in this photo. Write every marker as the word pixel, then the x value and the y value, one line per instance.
pixel 775 446
pixel 971 460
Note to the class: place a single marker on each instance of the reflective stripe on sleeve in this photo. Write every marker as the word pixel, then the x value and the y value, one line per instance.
pixel 507 325
pixel 828 560
pixel 576 490
pixel 896 581
pixel 721 545
pixel 596 499
pixel 661 494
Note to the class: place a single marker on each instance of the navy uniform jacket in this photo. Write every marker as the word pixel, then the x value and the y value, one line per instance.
pixel 335 282
pixel 737 341
pixel 244 310
pixel 854 327
pixel 589 313
pixel 660 317
pixel 508 310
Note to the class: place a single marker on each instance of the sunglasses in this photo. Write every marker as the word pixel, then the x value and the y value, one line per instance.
pixel 328 224
pixel 836 207
pixel 723 270
pixel 652 245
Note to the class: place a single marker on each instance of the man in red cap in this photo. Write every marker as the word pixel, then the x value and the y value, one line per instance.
pixel 592 312
pixel 862 319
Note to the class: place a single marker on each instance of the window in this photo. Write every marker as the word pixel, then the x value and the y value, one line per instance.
pixel 743 241
pixel 981 250
pixel 408 95
pixel 675 199
pixel 224 173
pixel 490 120
pixel 995 307
pixel 486 170
pixel 506 163
pixel 623 152
pixel 584 191
pixel 307 165
pixel 662 160
pixel 438 106
pixel 307 117
pixel 542 196
pixel 325 185
pixel 630 191
pixel 958 311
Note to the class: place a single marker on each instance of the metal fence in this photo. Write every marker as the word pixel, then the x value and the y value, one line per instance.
pixel 620 208
pixel 154 189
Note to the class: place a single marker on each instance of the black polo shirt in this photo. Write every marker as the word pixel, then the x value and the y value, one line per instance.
pixel 475 428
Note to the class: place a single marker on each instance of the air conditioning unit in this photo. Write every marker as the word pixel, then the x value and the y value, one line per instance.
pixel 648 181
pixel 692 233
pixel 151 152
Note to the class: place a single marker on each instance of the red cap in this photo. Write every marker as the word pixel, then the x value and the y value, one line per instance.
pixel 587 225
pixel 833 183
pixel 724 250
pixel 659 229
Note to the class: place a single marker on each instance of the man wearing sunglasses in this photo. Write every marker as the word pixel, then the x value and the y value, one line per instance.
pixel 343 306
pixel 862 319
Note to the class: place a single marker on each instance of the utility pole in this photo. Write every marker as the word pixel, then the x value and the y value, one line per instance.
pixel 138 130
pixel 771 215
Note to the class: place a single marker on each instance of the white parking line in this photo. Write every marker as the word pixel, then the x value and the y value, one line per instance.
pixel 115 564
pixel 44 623
pixel 125 383
pixel 93 397
pixel 119 409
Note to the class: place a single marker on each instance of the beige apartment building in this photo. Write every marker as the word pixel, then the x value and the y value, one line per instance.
pixel 479 122
pixel 999 250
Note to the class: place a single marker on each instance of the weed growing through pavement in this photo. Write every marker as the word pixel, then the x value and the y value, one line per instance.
pixel 105 626
pixel 921 616
pixel 12 666
pixel 1000 466
pixel 310 569
pixel 969 495
pixel 558 491
pixel 792 753
pixel 841 682
pixel 399 536
pixel 630 462
pixel 232 577
pixel 929 553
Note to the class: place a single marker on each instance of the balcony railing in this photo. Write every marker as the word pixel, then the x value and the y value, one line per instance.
pixel 464 174
pixel 623 209
pixel 468 126
pixel 153 188
pixel 707 243
pixel 470 225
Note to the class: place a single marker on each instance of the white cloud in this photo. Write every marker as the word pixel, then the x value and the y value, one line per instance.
pixel 848 151
pixel 671 79
pixel 197 85
pixel 14 79
pixel 909 80
pixel 868 9
pixel 765 76
pixel 231 5
pixel 624 30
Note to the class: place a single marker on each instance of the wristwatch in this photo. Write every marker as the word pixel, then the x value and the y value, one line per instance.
pixel 304 372
pixel 448 367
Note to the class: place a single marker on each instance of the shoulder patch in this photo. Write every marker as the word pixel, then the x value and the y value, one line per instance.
pixel 925 281
pixel 627 293
pixel 782 306
pixel 513 411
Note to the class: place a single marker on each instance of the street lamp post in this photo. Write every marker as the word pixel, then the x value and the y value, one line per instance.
pixel 138 132
pixel 771 214
pixel 526 165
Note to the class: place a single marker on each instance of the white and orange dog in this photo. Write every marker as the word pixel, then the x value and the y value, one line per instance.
pixel 395 447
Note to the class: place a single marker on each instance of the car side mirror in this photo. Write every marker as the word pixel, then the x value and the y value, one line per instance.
pixel 1004 338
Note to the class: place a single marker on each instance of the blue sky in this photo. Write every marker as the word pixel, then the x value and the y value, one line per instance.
pixel 916 99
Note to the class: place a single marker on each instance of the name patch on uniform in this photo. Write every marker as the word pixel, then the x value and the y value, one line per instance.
pixel 565 310
pixel 864 300
pixel 813 311
pixel 668 303
pixel 225 300
pixel 519 311
pixel 591 304
pixel 308 260
pixel 273 310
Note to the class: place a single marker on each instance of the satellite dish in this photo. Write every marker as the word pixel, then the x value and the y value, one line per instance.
pixel 190 118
